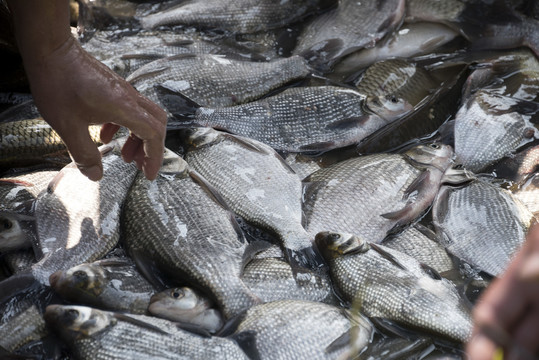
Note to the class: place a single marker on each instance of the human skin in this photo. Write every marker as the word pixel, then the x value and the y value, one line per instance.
pixel 73 90
pixel 506 318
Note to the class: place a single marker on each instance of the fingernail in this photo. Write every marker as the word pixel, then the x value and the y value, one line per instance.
pixel 93 173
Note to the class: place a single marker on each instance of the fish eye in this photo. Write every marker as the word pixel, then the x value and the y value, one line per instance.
pixel 435 146
pixel 334 236
pixel 71 314
pixel 393 99
pixel 80 275
pixel 7 224
pixel 176 294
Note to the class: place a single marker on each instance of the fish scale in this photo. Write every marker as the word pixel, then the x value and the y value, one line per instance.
pixel 215 81
pixel 178 224
pixel 95 334
pixel 244 16
pixel 285 322
pixel 481 224
pixel 298 119
pixel 353 195
pixel 402 293
pixel 72 232
pixel 254 181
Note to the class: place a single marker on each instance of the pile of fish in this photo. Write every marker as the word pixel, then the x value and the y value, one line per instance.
pixel 341 180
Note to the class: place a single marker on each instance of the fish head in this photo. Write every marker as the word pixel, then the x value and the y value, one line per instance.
pixel 199 136
pixel 389 107
pixel 84 281
pixel 75 322
pixel 181 300
pixel 435 154
pixel 14 231
pixel 334 244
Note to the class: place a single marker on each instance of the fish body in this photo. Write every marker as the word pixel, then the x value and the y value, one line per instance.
pixel 420 243
pixel 279 322
pixel 272 279
pixel 177 222
pixel 96 334
pixel 109 284
pixel 388 284
pixel 372 194
pixel 186 306
pixel 216 81
pixel 480 224
pixel 256 183
pixel 487 128
pixel 23 328
pixel 78 219
pixel 410 40
pixel 245 16
pixel 299 119
pixel 351 26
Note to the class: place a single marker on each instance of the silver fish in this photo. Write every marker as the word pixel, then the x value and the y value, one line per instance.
pixel 391 285
pixel 245 16
pixel 272 279
pixel 23 328
pixel 177 222
pixel 370 195
pixel 257 185
pixel 299 119
pixel 93 334
pixel 186 306
pixel 216 81
pixel 481 224
pixel 410 40
pixel 110 284
pixel 72 232
pixel 420 243
pixel 278 322
pixel 487 128
pixel 351 26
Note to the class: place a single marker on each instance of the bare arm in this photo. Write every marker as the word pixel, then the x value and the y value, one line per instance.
pixel 73 90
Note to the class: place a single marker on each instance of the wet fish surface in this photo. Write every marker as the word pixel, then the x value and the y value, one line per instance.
pixel 370 195
pixel 216 81
pixel 257 185
pixel 351 26
pixel 245 16
pixel 94 334
pixel 72 232
pixel 391 285
pixel 193 236
pixel 299 119
pixel 279 322
pixel 110 284
pixel 481 224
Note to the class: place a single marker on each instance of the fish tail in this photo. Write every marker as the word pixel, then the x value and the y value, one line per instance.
pixel 303 260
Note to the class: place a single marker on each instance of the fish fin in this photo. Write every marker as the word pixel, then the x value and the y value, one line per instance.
pixel 55 181
pixel 425 231
pixel 209 188
pixel 179 42
pixel 148 269
pixel 339 343
pixel 141 75
pixel 399 214
pixel 231 325
pixel 152 57
pixel 418 183
pixel 247 342
pixel 182 56
pixel 320 55
pixel 387 256
pixel 321 146
pixel 431 272
pixel 195 329
pixel 347 123
pixel 389 327
pixel 302 261
pixel 144 324
pixel 254 248
pixel 246 143
pixel 457 175
pixel 114 262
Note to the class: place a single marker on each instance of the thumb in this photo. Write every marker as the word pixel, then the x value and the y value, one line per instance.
pixel 84 153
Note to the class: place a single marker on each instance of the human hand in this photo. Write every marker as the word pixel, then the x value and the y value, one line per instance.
pixel 506 317
pixel 72 90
